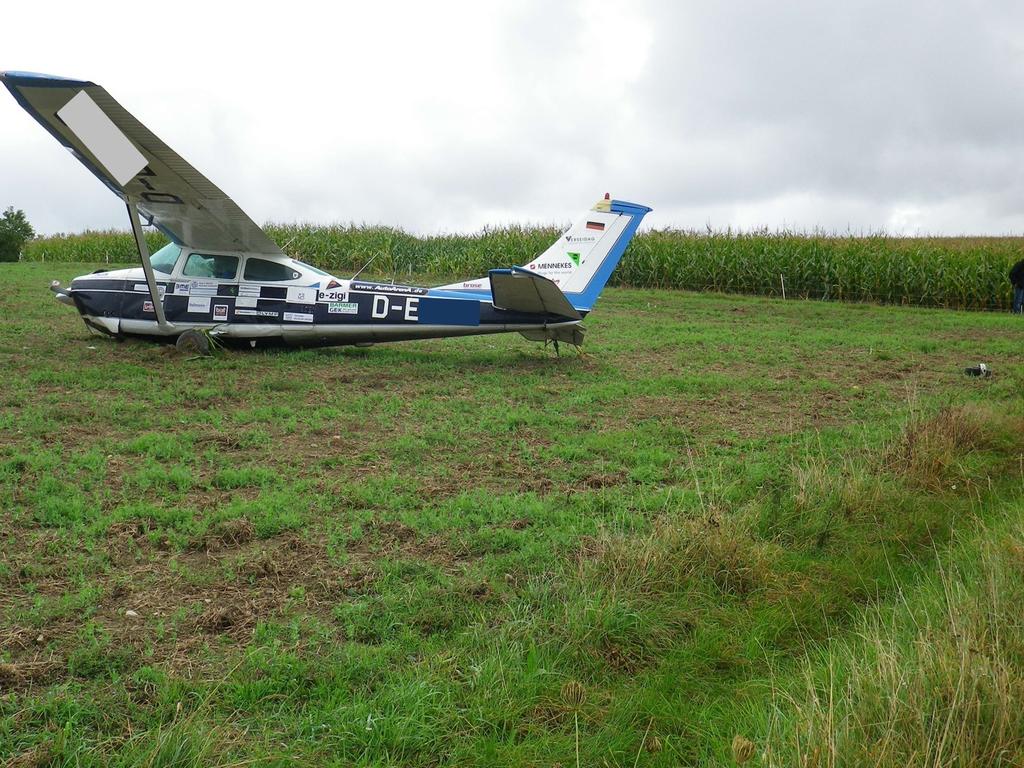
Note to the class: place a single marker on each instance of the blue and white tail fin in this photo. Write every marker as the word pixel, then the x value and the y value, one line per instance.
pixel 584 257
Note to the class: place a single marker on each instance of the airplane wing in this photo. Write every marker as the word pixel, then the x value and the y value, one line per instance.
pixel 136 165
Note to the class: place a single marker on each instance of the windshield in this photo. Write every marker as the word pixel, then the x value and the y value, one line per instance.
pixel 163 261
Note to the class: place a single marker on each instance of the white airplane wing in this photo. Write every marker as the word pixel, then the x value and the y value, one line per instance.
pixel 135 164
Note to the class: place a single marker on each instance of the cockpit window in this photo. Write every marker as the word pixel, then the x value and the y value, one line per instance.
pixel 263 270
pixel 163 261
pixel 219 267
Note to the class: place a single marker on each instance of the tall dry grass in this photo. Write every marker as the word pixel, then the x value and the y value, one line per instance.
pixel 934 677
pixel 937 680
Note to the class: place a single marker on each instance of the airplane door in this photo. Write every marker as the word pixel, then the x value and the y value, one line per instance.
pixel 269 292
pixel 206 289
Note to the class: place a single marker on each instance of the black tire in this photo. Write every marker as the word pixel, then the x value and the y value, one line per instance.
pixel 193 343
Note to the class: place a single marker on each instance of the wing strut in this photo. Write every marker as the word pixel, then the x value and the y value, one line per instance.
pixel 147 267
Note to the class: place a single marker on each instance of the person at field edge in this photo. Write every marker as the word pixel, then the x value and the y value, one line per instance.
pixel 1017 278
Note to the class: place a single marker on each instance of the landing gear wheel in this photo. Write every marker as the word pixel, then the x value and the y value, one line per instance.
pixel 193 343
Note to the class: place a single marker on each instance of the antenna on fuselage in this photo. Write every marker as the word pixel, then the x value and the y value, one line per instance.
pixel 357 274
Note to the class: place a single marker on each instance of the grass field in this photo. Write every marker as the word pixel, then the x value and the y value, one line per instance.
pixel 732 529
pixel 949 272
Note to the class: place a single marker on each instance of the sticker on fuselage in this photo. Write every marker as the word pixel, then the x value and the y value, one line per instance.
pixel 250 291
pixel 403 290
pixel 220 311
pixel 343 308
pixel 298 317
pixel 182 287
pixel 332 295
pixel 255 312
pixel 406 308
pixel 199 304
pixel 246 301
pixel 301 295
pixel 147 306
pixel 143 288
pixel 204 288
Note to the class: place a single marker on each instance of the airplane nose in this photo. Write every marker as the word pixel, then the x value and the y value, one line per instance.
pixel 60 295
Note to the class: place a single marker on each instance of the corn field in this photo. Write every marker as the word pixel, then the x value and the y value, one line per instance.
pixel 953 272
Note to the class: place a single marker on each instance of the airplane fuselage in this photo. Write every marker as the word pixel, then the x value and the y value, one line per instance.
pixel 310 308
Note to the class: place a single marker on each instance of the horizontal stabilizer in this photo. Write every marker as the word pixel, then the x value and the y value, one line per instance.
pixel 520 290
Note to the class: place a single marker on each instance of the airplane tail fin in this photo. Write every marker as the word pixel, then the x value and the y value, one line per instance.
pixel 580 262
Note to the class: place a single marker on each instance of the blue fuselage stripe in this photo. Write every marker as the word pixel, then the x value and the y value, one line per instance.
pixel 130 300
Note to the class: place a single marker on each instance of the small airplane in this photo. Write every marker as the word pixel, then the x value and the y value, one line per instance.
pixel 222 276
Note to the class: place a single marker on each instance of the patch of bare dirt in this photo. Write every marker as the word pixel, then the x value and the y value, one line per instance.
pixel 39 756
pixel 27 672
pixel 168 605
pixel 230 533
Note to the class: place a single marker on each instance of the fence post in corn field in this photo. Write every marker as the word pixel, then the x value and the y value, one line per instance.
pixel 782 279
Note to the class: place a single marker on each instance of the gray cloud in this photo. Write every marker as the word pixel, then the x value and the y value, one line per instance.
pixel 887 105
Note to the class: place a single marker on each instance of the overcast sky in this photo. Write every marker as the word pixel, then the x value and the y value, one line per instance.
pixel 449 116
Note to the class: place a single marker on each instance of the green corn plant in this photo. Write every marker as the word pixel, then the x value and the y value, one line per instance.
pixel 952 272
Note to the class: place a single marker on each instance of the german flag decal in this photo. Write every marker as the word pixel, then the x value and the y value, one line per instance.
pixel 599 226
